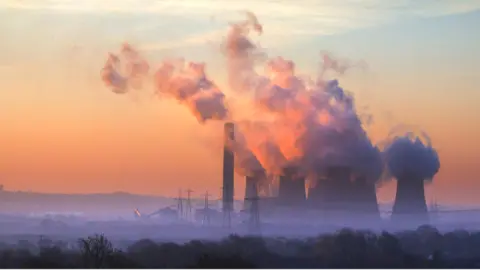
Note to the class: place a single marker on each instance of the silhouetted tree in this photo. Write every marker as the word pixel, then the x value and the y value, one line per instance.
pixel 147 252
pixel 6 258
pixel 425 247
pixel 96 251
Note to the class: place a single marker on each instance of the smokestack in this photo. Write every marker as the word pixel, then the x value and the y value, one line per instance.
pixel 291 190
pixel 228 168
pixel 410 200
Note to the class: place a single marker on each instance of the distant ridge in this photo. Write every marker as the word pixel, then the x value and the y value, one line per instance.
pixel 116 193
pixel 104 204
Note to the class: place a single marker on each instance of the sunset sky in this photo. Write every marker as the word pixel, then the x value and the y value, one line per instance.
pixel 62 130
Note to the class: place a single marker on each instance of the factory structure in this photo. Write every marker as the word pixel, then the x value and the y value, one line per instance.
pixel 337 192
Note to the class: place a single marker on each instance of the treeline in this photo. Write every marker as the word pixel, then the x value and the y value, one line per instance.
pixel 422 248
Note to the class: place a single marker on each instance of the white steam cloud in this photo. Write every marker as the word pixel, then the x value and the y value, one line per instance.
pixel 309 123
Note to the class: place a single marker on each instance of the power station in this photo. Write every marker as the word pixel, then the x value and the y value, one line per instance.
pixel 338 191
pixel 335 194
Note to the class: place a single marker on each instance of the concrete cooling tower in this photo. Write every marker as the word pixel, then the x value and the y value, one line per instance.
pixel 339 190
pixel 318 193
pixel 251 187
pixel 291 189
pixel 364 196
pixel 410 200
pixel 228 168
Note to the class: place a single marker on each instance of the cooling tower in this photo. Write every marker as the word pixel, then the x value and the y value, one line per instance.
pixel 364 196
pixel 318 193
pixel 339 186
pixel 291 189
pixel 331 189
pixel 410 201
pixel 251 187
pixel 228 168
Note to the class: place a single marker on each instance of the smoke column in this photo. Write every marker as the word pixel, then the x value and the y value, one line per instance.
pixel 411 161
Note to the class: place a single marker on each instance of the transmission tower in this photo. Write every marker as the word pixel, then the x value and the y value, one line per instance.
pixel 206 210
pixel 227 213
pixel 254 220
pixel 180 204
pixel 188 213
pixel 434 210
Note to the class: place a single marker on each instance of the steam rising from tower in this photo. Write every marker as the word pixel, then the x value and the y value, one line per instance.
pixel 306 123
pixel 411 161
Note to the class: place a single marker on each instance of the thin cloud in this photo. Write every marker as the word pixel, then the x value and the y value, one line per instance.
pixel 281 17
pixel 192 40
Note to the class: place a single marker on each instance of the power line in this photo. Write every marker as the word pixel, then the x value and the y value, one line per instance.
pixel 188 213
pixel 179 204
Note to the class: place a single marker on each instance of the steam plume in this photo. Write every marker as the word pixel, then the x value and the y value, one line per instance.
pixel 125 70
pixel 308 123
pixel 184 81
pixel 188 84
pixel 408 154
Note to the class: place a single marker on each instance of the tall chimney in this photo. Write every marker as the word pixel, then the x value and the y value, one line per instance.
pixel 410 203
pixel 291 190
pixel 228 168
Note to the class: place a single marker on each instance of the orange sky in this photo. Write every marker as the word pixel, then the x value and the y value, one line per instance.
pixel 94 141
pixel 63 131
